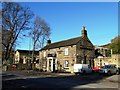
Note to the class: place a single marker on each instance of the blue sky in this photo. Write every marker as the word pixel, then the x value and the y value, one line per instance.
pixel 67 18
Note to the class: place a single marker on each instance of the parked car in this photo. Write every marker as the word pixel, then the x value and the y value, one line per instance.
pixel 97 68
pixel 109 69
pixel 82 69
pixel 118 70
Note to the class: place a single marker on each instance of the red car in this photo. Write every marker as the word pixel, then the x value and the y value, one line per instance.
pixel 96 69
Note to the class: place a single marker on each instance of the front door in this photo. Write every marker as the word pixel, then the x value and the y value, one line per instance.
pixel 50 60
pixel 53 65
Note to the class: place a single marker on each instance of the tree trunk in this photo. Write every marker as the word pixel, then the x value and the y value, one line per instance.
pixel 33 64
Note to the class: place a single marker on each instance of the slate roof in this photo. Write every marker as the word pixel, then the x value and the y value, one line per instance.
pixel 106 45
pixel 27 51
pixel 63 43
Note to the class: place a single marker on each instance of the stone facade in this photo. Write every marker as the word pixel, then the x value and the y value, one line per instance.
pixel 60 59
pixel 63 55
pixel 22 56
pixel 114 59
pixel 102 51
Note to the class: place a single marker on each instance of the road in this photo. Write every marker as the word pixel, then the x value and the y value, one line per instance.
pixel 53 80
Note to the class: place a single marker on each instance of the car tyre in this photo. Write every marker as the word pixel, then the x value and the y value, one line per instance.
pixel 109 73
pixel 84 72
pixel 100 74
pixel 117 72
pixel 76 73
pixel 93 71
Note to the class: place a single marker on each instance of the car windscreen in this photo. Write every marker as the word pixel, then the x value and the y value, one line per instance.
pixel 106 66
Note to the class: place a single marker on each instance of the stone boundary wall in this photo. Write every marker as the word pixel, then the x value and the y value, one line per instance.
pixel 114 59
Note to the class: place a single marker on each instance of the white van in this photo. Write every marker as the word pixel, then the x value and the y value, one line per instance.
pixel 82 68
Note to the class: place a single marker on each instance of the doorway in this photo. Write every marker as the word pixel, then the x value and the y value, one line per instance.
pixel 53 65
pixel 50 60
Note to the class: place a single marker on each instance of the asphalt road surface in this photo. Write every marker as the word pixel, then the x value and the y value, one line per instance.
pixel 58 81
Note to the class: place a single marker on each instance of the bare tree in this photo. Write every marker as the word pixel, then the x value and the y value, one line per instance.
pixel 40 33
pixel 15 19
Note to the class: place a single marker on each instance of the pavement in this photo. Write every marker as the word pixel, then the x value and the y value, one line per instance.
pixel 114 78
pixel 36 73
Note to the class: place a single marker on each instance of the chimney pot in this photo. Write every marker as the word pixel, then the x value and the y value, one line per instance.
pixel 83 28
pixel 48 42
pixel 84 32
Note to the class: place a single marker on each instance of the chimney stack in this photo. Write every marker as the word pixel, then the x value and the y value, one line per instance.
pixel 48 42
pixel 84 32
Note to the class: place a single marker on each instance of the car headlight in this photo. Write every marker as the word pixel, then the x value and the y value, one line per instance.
pixel 106 70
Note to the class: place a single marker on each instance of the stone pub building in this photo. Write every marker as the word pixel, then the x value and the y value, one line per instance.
pixel 64 54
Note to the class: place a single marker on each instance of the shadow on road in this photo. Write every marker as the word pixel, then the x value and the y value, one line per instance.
pixel 55 83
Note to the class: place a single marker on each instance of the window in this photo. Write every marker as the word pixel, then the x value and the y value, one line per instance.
pixel 24 60
pixel 100 62
pixel 44 54
pixel 66 63
pixel 66 51
pixel 80 42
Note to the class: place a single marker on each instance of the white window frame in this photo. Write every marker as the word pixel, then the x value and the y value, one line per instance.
pixel 66 51
pixel 66 63
pixel 44 54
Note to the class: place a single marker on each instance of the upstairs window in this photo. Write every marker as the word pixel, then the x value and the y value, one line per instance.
pixel 66 51
pixel 44 54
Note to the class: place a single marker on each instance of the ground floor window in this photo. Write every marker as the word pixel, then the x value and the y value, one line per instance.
pixel 100 62
pixel 44 63
pixel 66 63
pixel 37 61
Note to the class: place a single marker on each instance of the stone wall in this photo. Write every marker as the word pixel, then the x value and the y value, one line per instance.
pixel 61 57
pixel 114 59
pixel 75 55
pixel 85 52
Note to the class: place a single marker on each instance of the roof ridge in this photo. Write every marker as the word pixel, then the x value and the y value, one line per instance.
pixel 65 40
pixel 68 42
pixel 25 50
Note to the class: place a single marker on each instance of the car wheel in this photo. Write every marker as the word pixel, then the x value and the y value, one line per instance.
pixel 117 72
pixel 109 73
pixel 93 71
pixel 84 72
pixel 100 74
pixel 76 73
